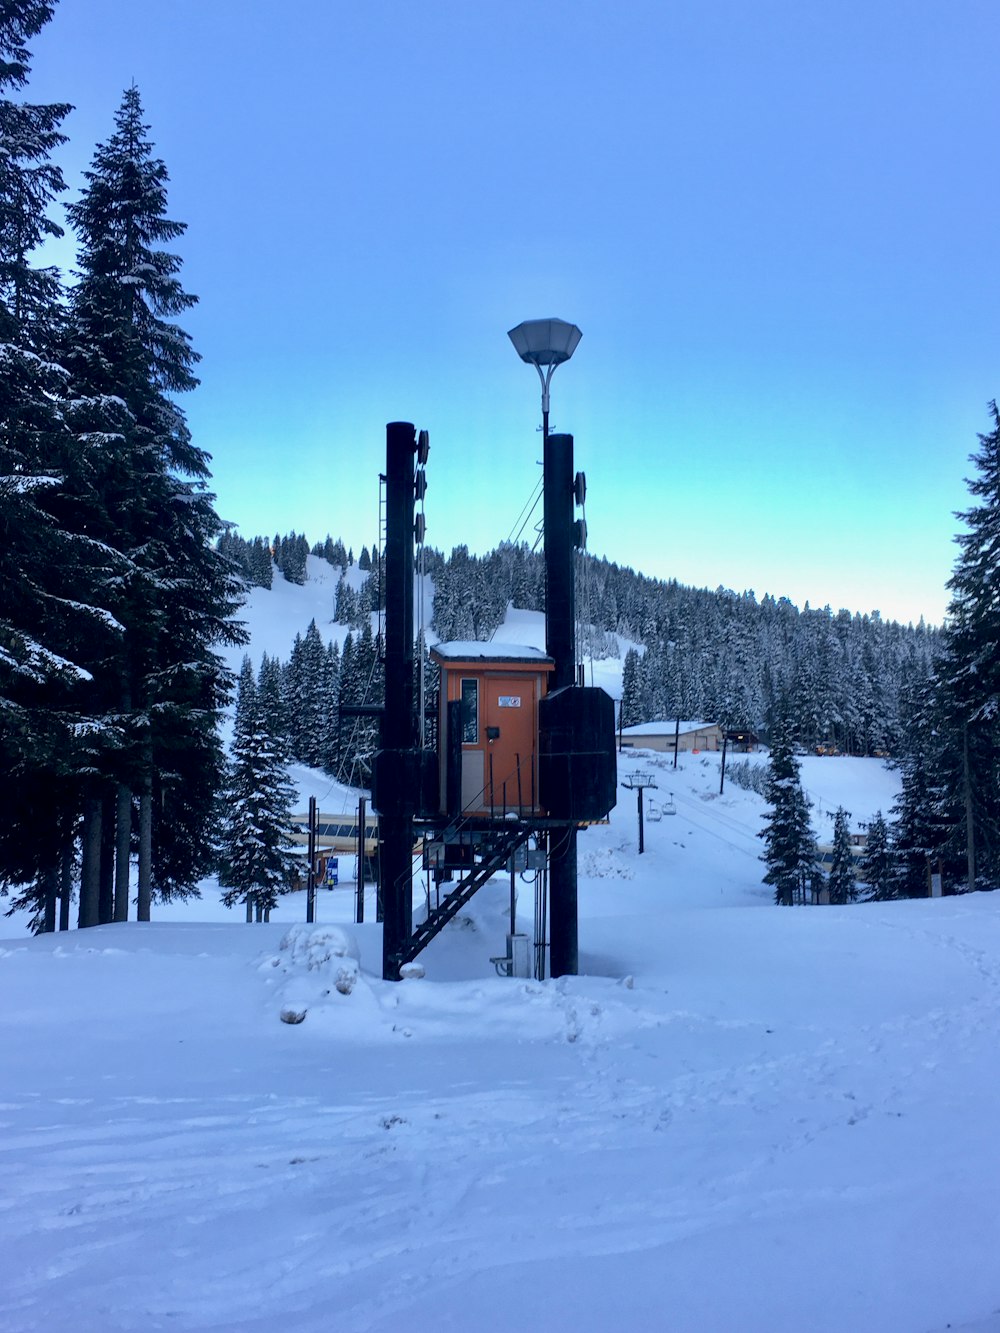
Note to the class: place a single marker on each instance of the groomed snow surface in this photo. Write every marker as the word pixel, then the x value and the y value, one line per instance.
pixel 738 1118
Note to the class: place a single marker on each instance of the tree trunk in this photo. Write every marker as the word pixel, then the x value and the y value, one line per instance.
pixel 970 835
pixel 249 909
pixel 123 849
pixel 51 887
pixel 66 891
pixel 106 897
pixel 145 846
pixel 90 872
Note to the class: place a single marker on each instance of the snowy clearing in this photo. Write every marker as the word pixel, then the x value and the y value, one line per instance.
pixel 740 1119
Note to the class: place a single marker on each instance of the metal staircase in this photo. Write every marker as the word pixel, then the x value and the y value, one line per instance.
pixel 495 859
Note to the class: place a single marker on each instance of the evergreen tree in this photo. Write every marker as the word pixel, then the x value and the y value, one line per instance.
pixel 257 862
pixel 969 672
pixel 842 882
pixel 925 818
pixel 789 846
pixel 290 555
pixel 54 576
pixel 876 865
pixel 271 699
pixel 631 705
pixel 261 571
pixel 345 606
pixel 148 501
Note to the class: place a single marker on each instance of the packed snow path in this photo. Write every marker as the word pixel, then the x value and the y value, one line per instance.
pixel 778 1120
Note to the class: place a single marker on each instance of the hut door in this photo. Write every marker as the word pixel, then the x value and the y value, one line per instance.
pixel 509 723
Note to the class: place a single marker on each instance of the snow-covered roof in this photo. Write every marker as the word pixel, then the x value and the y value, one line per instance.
pixel 665 728
pixel 473 650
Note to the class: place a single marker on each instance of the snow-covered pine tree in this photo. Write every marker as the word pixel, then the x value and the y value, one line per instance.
pixel 631 702
pixel 128 358
pixel 842 880
pixel 876 864
pixel 54 577
pixel 261 564
pixel 969 671
pixel 789 846
pixel 308 700
pixel 257 861
pixel 345 604
pixel 271 697
pixel 925 819
pixel 290 555
pixel 330 740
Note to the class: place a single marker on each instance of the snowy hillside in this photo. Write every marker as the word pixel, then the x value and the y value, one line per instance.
pixel 739 1119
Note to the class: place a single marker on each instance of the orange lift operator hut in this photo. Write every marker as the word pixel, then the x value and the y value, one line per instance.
pixel 490 693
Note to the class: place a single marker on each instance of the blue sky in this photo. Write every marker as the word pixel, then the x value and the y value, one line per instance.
pixel 776 225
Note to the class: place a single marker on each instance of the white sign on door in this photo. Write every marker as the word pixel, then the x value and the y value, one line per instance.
pixel 509 701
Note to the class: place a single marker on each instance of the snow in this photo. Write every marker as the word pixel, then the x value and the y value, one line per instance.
pixel 737 1118
pixel 19 485
pixel 461 650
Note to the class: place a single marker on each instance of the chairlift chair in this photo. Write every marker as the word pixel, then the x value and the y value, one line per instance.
pixel 669 806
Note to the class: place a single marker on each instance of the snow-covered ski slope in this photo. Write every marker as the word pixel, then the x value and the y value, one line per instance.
pixel 740 1118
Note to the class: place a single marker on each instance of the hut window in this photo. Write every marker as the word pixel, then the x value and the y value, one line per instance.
pixel 470 711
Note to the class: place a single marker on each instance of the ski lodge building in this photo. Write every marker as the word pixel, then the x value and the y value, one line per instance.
pixel 694 736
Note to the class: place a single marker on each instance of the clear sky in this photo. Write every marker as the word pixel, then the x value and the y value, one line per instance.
pixel 775 223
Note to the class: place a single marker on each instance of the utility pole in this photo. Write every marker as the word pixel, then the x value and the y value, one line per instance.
pixel 311 853
pixel 560 625
pixel 394 794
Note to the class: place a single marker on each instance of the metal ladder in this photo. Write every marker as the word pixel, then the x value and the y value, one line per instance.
pixel 439 917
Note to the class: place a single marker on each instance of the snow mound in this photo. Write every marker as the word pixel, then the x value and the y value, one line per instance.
pixel 313 947
pixel 319 964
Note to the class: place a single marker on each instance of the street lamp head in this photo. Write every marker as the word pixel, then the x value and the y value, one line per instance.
pixel 545 342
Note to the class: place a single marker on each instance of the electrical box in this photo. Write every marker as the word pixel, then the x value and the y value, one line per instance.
pixel 577 763
pixel 519 953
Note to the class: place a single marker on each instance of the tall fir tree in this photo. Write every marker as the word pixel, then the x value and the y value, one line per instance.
pixel 129 358
pixel 54 576
pixel 969 672
pixel 257 860
pixel 842 880
pixel 789 846
pixel 876 865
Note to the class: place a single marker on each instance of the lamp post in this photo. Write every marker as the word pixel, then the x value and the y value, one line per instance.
pixel 545 344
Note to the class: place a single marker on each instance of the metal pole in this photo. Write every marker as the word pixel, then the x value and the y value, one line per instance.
pixel 677 740
pixel 398 729
pixel 311 853
pixel 359 907
pixel 722 780
pixel 642 845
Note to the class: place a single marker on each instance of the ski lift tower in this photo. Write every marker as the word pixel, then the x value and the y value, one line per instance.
pixel 638 782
